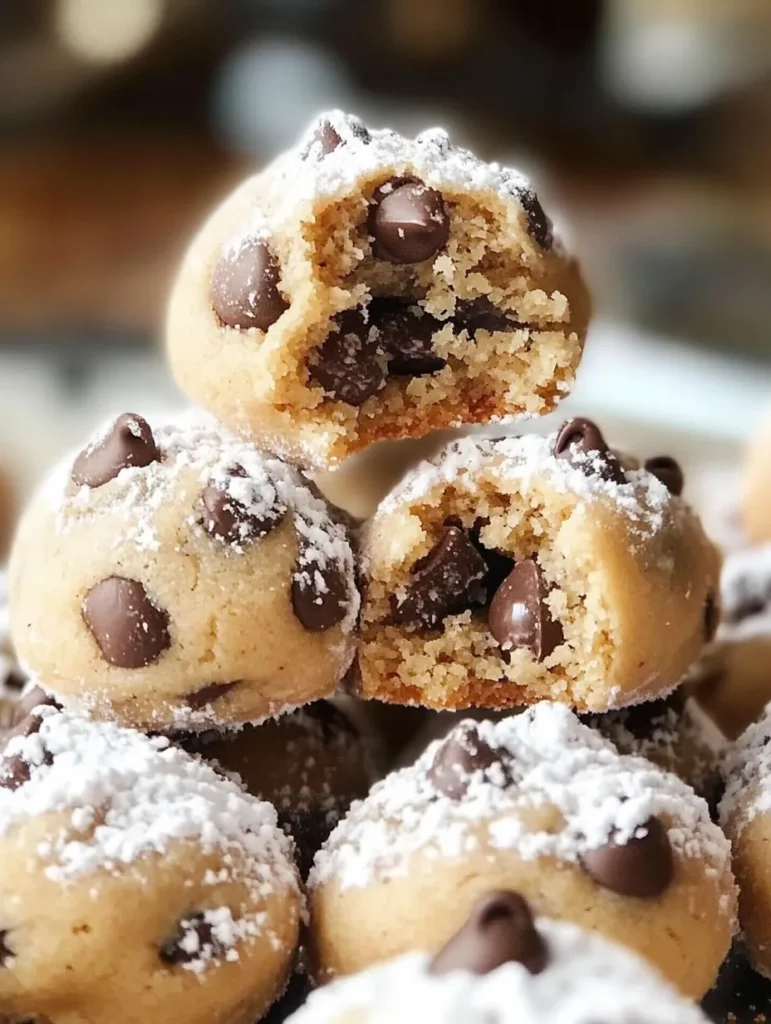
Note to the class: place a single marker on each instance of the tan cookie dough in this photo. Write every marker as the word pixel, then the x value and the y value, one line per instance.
pixel 508 571
pixel 366 286
pixel 755 494
pixel 137 883
pixel 745 814
pixel 310 764
pixel 503 966
pixel 177 577
pixel 543 805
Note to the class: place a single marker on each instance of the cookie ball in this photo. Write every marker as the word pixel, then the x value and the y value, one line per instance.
pixel 755 488
pixel 310 764
pixel 177 577
pixel 366 286
pixel 12 677
pixel 509 571
pixel 541 804
pixel 137 883
pixel 504 966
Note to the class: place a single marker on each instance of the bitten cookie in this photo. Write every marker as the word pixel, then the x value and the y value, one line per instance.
pixel 310 764
pixel 505 967
pixel 177 577
pixel 541 804
pixel 508 571
pixel 137 883
pixel 368 286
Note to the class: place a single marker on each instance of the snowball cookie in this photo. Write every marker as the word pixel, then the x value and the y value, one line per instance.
pixel 502 966
pixel 506 571
pixel 541 804
pixel 138 884
pixel 366 286
pixel 310 764
pixel 177 577
pixel 755 492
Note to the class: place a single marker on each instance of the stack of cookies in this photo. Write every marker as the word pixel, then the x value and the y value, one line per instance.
pixel 189 609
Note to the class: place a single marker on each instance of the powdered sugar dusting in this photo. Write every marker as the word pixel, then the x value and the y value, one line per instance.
pixel 556 761
pixel 745 587
pixel 746 769
pixel 586 979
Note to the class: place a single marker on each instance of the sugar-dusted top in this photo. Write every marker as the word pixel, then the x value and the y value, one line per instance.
pixel 586 979
pixel 127 796
pixel 746 769
pixel 745 587
pixel 553 760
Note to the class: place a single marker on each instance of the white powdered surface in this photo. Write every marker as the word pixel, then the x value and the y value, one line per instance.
pixel 745 586
pixel 555 760
pixel 587 979
pixel 747 772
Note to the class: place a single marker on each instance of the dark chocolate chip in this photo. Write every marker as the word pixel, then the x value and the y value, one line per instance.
pixel 406 331
pixel 642 867
pixel 444 582
pixel 6 953
pixel 228 519
pixel 15 679
pixel 129 628
pixel 319 596
pixel 462 754
pixel 538 224
pixel 24 723
pixel 325 140
pixel 14 772
pixel 410 223
pixel 179 949
pixel 668 471
pixel 351 365
pixel 500 930
pixel 130 443
pixel 519 615
pixel 207 695
pixel 472 315
pixel 581 443
pixel 711 617
pixel 244 287
pixel 499 564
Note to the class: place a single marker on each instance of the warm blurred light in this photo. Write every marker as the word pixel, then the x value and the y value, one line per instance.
pixel 107 31
pixel 431 28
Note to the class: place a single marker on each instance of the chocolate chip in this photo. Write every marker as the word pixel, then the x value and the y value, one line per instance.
pixel 24 723
pixel 6 953
pixel 668 471
pixel 351 365
pixel 581 444
pixel 462 754
pixel 711 617
pixel 499 931
pixel 519 615
pixel 406 332
pixel 325 140
pixel 244 286
pixel 229 520
pixel 642 867
pixel 443 582
pixel 498 563
pixel 193 937
pixel 319 595
pixel 14 679
pixel 14 772
pixel 472 315
pixel 207 695
pixel 538 224
pixel 130 443
pixel 129 628
pixel 410 223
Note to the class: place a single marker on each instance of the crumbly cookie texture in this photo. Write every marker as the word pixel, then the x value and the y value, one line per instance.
pixel 509 571
pixel 541 804
pixel 137 882
pixel 176 577
pixel 367 286
pixel 506 968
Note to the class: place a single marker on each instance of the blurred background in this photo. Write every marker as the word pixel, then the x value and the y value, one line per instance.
pixel 646 124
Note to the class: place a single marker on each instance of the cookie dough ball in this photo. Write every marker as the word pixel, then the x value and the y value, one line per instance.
pixel 508 571
pixel 310 764
pixel 177 577
pixel 674 733
pixel 503 966
pixel 755 495
pixel 745 813
pixel 137 883
pixel 366 286
pixel 541 804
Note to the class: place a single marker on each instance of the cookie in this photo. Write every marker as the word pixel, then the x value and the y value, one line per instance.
pixel 177 577
pixel 755 487
pixel 310 764
pixel 137 883
pixel 509 571
pixel 541 804
pixel 745 814
pixel 503 966
pixel 366 286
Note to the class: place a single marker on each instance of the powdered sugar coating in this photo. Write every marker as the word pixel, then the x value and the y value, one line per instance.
pixel 586 979
pixel 745 587
pixel 746 769
pixel 555 760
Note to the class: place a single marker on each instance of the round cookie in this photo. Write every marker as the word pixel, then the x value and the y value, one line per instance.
pixel 508 571
pixel 366 286
pixel 541 804
pixel 137 883
pixel 310 764
pixel 176 577
pixel 505 967
pixel 755 490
